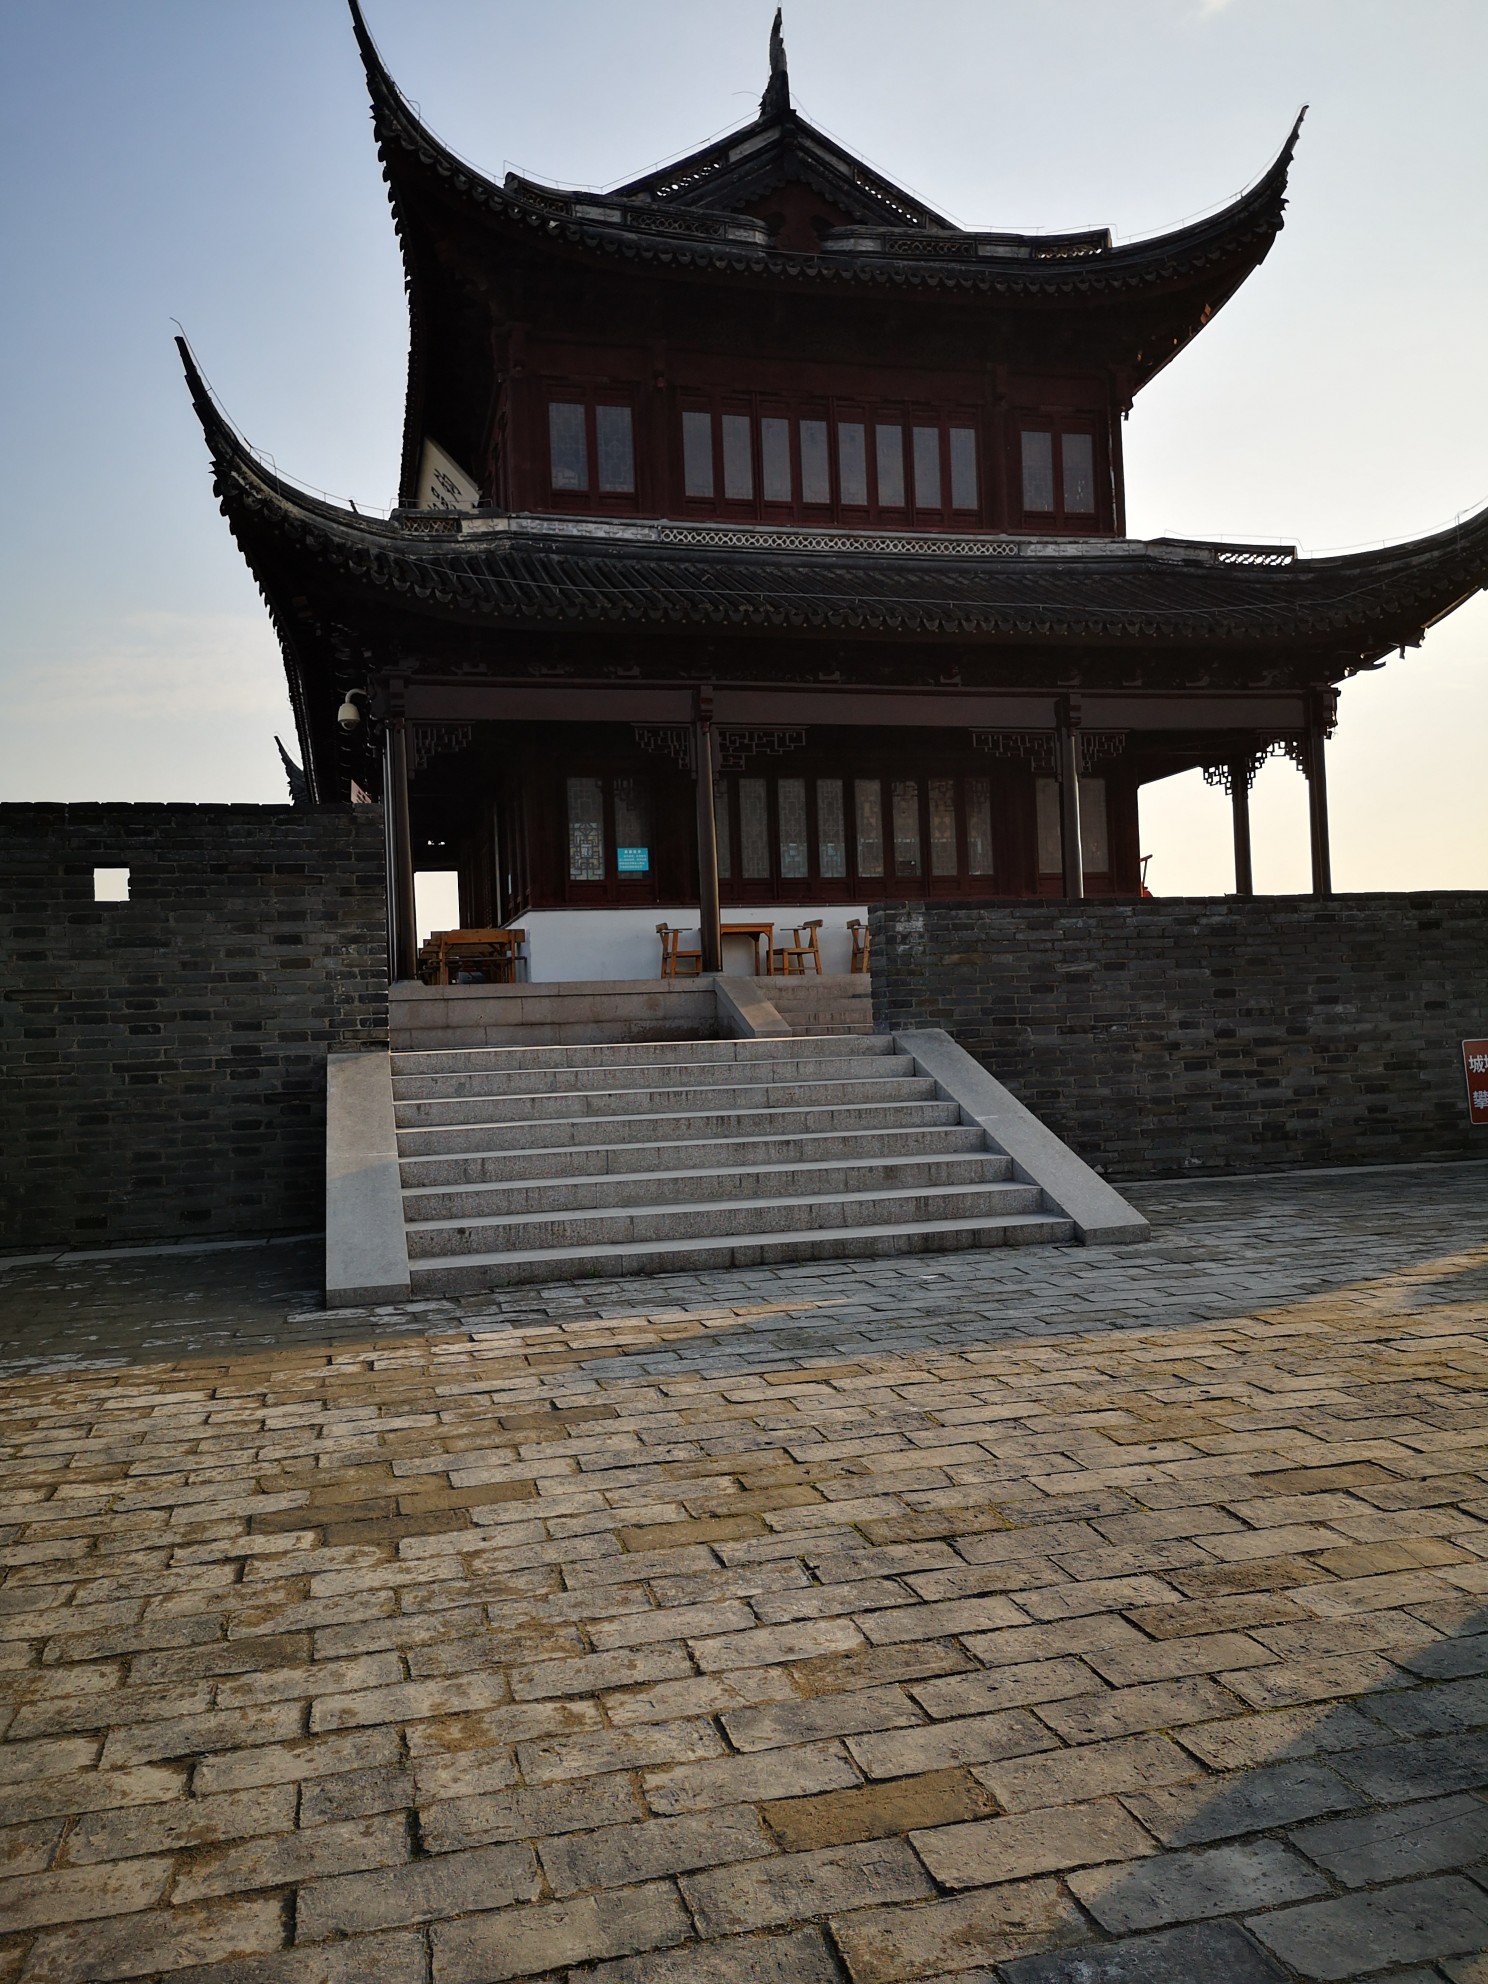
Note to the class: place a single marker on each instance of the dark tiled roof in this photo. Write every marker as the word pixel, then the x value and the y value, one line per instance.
pixel 658 219
pixel 532 571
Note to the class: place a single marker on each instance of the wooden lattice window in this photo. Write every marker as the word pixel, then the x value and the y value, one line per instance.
pixel 1057 471
pixel 591 450
pixel 843 462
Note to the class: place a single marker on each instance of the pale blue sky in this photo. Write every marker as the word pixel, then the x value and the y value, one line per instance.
pixel 211 160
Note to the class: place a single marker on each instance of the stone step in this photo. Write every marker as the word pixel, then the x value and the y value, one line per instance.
pixel 581 1016
pixel 713 1100
pixel 499 1168
pixel 495 1167
pixel 810 1005
pixel 652 1053
pixel 734 1182
pixel 555 1132
pixel 470 1273
pixel 447 1085
pixel 819 989
pixel 719 1218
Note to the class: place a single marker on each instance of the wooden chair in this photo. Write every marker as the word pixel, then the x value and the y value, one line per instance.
pixel 675 962
pixel 791 957
pixel 862 944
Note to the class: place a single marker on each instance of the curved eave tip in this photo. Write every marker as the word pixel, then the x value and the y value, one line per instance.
pixel 1273 181
pixel 223 440
pixel 201 394
pixel 1276 177
pixel 379 76
pixel 363 34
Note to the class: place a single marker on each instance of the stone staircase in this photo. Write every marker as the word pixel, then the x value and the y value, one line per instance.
pixel 580 1012
pixel 535 1164
pixel 829 1003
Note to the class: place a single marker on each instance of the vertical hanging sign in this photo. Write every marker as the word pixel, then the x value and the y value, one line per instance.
pixel 1475 1067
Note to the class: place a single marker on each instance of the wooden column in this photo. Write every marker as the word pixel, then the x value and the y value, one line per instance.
pixel 710 920
pixel 1319 711
pixel 1067 764
pixel 1120 384
pixel 498 887
pixel 995 444
pixel 663 421
pixel 402 927
pixel 1240 775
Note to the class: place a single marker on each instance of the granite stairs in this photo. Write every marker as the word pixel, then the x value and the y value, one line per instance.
pixel 536 1164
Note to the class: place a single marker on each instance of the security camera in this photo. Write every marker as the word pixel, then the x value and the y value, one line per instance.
pixel 349 716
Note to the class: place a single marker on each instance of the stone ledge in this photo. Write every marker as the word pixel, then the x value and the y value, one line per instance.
pixel 366 1245
pixel 1100 1214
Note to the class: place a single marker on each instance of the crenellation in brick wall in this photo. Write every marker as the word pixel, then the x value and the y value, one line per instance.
pixel 1209 1035
pixel 162 1060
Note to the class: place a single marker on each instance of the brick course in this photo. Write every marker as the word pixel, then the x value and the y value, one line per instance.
pixel 239 1751
pixel 162 1059
pixel 1209 1035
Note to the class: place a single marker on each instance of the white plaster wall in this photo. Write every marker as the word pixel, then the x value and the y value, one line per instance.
pixel 622 943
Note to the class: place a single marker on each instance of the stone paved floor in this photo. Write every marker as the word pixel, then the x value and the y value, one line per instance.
pixel 1041 1616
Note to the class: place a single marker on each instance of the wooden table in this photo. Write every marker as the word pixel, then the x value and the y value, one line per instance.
pixel 757 931
pixel 499 950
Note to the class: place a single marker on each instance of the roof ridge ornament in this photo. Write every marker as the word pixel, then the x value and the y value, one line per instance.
pixel 776 99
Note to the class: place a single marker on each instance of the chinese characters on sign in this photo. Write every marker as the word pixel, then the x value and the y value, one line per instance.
pixel 1475 1067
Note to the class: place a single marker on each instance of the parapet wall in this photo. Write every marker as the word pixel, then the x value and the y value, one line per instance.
pixel 1209 1034
pixel 162 1060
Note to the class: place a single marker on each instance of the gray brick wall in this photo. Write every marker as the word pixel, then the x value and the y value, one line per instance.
pixel 1216 1035
pixel 162 1060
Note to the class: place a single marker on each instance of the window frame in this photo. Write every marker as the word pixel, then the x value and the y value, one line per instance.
pixel 1060 522
pixel 736 406
pixel 591 500
pixel 1046 788
pixel 772 507
pixel 621 890
pixel 833 412
pixel 850 772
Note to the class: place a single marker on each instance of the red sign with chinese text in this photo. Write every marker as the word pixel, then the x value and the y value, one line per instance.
pixel 1475 1067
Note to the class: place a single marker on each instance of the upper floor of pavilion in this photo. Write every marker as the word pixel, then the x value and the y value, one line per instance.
pixel 770 331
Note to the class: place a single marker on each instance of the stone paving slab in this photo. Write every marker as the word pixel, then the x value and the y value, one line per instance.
pixel 1028 1617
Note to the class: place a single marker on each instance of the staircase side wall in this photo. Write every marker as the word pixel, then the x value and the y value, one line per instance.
pixel 162 1060
pixel 1209 1035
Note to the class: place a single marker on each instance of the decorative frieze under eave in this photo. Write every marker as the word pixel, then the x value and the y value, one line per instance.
pixel 762 717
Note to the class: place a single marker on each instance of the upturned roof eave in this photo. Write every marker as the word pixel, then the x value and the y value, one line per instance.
pixel 1245 226
pixel 385 96
pixel 1367 602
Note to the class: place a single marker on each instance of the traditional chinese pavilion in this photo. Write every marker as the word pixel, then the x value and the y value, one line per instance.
pixel 761 546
